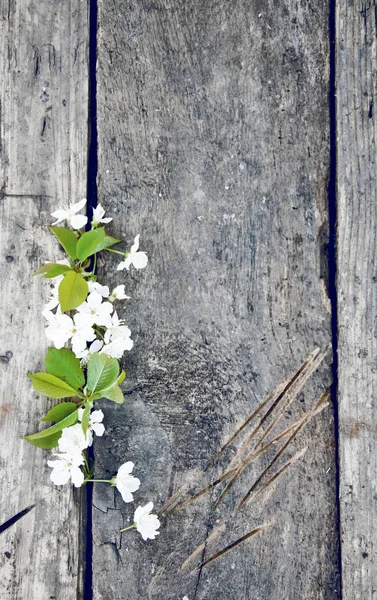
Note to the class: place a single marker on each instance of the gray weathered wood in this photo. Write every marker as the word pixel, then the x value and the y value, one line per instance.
pixel 357 294
pixel 213 145
pixel 43 72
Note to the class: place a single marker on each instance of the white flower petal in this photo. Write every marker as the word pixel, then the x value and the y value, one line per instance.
pixel 135 246
pixel 126 468
pixel 98 428
pixel 123 265
pixel 78 221
pixel 95 346
pixel 77 476
pixel 59 476
pixel 60 215
pixel 96 416
pixel 140 260
pixel 94 299
pixel 75 208
pixel 101 289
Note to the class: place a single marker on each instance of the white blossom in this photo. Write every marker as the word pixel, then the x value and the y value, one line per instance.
pixel 72 440
pixel 95 424
pixel 118 293
pixel 125 482
pixel 117 348
pixel 146 524
pixel 103 290
pixel 61 328
pixel 98 214
pixel 138 259
pixel 98 311
pixel 68 213
pixel 116 330
pixel 67 467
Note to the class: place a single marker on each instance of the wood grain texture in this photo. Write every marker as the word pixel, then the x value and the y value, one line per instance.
pixel 213 145
pixel 357 294
pixel 43 127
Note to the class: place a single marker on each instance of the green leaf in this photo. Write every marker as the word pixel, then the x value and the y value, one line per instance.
pixel 121 378
pixel 106 243
pixel 57 270
pixel 63 364
pixel 85 418
pixel 60 411
pixel 54 429
pixel 44 268
pixel 114 393
pixel 67 238
pixel 46 442
pixel 88 242
pixel 102 372
pixel 73 291
pixel 51 386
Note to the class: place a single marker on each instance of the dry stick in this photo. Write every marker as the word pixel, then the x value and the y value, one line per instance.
pixel 231 546
pixel 171 502
pixel 231 471
pixel 277 395
pixel 206 489
pixel 310 365
pixel 282 469
pixel 321 404
pixel 270 396
pixel 201 546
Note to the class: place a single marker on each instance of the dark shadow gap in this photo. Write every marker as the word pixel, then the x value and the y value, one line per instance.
pixel 92 169
pixel 332 257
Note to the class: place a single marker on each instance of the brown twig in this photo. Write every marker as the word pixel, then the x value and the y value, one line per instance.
pixel 278 473
pixel 320 404
pixel 216 532
pixel 231 546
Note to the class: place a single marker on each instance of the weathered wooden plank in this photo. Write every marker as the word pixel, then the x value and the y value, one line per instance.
pixel 213 145
pixel 357 294
pixel 43 71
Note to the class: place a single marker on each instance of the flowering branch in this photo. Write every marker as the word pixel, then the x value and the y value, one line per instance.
pixel 88 370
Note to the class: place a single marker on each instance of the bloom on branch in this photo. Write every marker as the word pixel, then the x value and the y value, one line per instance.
pixel 103 290
pixel 72 440
pixel 98 214
pixel 138 259
pixel 68 213
pixel 98 311
pixel 146 524
pixel 118 293
pixel 61 328
pixel 67 467
pixel 117 338
pixel 125 482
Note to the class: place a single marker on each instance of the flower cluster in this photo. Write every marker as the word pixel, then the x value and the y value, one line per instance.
pixel 88 370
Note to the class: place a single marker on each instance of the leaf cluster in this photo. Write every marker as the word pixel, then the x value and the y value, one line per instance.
pixel 80 247
pixel 66 378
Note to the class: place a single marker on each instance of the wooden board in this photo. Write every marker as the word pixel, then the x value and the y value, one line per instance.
pixel 214 146
pixel 43 135
pixel 357 294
